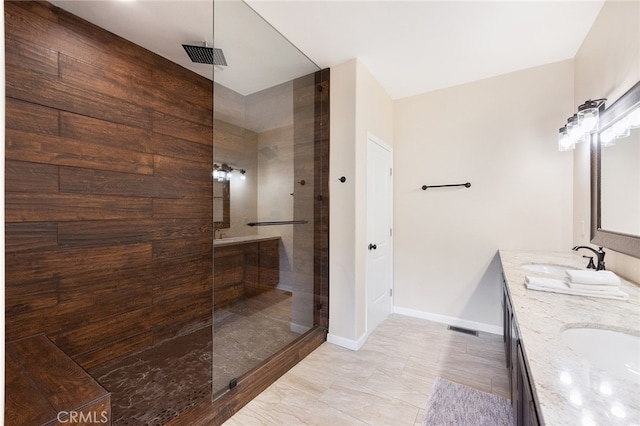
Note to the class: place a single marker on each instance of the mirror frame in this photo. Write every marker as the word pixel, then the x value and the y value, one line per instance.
pixel 617 241
pixel 226 207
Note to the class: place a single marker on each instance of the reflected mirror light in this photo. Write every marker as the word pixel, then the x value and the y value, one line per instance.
pixel 587 420
pixel 617 409
pixel 605 388
pixel 565 378
pixel 607 138
pixel 634 117
pixel 575 397
pixel 621 128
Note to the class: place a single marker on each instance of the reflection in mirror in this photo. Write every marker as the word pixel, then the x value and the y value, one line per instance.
pixel 620 185
pixel 615 176
pixel 221 205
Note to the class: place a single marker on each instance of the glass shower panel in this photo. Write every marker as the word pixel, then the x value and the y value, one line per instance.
pixel 265 157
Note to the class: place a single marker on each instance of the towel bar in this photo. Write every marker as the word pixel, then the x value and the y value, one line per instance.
pixel 466 185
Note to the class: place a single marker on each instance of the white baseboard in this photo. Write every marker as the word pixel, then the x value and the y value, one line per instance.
pixel 473 325
pixel 354 345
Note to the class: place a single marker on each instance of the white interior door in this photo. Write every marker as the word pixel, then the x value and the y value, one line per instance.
pixel 379 232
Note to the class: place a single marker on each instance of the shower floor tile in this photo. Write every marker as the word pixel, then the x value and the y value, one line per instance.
pixel 157 384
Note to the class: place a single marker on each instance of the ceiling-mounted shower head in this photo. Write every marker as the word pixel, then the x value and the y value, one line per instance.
pixel 205 55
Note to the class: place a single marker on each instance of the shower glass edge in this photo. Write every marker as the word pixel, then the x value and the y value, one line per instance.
pixel 264 124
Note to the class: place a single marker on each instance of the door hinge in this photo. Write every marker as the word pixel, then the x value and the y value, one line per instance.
pixel 391 232
pixel 391 292
pixel 390 172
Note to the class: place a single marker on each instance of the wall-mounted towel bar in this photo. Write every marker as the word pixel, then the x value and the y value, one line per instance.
pixel 279 222
pixel 466 185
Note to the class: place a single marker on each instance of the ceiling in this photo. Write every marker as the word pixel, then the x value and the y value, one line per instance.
pixel 411 47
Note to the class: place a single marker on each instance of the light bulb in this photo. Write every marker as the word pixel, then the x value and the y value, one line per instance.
pixel 588 116
pixel 589 124
pixel 564 144
pixel 573 130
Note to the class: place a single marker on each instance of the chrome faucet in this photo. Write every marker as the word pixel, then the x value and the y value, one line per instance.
pixel 600 254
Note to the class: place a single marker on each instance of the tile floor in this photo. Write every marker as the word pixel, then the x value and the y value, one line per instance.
pixel 387 382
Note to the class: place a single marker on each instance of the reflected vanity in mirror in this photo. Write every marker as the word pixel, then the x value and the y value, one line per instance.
pixel 615 176
pixel 221 204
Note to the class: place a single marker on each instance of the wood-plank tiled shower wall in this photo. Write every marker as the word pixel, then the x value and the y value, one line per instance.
pixel 108 188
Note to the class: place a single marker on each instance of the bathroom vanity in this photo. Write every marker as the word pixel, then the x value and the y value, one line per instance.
pixel 554 380
pixel 244 266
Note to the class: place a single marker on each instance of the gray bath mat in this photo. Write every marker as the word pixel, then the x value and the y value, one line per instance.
pixel 452 404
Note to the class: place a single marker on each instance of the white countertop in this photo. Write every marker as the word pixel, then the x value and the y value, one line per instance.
pixel 231 241
pixel 569 390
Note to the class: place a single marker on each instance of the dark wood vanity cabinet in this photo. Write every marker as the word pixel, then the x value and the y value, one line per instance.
pixel 522 400
pixel 244 270
pixel 526 413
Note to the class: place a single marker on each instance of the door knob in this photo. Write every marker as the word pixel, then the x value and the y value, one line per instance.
pixel 372 246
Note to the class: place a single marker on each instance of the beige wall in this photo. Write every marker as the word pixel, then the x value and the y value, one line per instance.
pixel 500 134
pixel 359 105
pixel 342 160
pixel 606 65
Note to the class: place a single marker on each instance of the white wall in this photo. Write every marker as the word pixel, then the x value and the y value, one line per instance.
pixel 358 105
pixel 500 134
pixel 606 65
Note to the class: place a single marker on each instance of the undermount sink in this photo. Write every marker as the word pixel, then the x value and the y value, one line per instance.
pixel 615 352
pixel 547 268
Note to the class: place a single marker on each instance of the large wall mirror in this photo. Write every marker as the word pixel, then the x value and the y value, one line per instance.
pixel 615 176
pixel 221 204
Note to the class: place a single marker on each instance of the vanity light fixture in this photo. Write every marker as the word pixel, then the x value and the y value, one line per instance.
pixel 222 172
pixel 580 125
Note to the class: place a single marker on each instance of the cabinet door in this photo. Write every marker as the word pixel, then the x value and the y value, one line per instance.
pixel 513 350
pixel 506 326
pixel 510 336
pixel 527 414
pixel 269 264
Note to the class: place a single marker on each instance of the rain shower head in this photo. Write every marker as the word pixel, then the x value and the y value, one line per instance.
pixel 205 54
